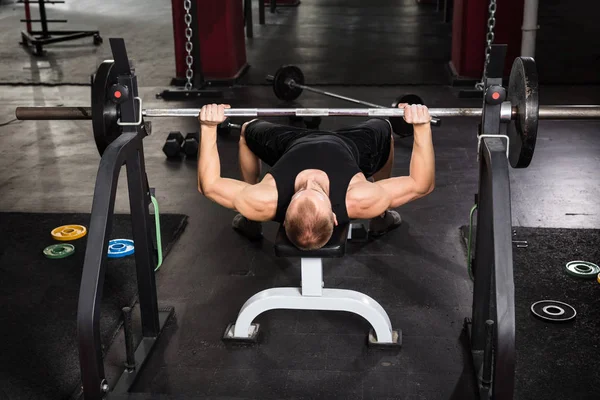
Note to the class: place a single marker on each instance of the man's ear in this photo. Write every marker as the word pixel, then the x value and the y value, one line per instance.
pixel 335 222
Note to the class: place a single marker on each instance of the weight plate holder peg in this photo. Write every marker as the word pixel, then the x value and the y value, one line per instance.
pixel 582 269
pixel 553 311
pixel 118 248
pixel 59 250
pixel 68 232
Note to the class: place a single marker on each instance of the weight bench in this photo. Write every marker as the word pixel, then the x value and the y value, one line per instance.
pixel 312 296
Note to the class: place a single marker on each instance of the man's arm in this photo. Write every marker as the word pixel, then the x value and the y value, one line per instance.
pixel 250 200
pixel 369 200
pixel 421 179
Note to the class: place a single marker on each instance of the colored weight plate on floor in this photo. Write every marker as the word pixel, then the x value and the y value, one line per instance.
pixel 582 269
pixel 118 248
pixel 59 250
pixel 68 232
pixel 553 311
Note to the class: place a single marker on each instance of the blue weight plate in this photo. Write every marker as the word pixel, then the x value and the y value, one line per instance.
pixel 118 248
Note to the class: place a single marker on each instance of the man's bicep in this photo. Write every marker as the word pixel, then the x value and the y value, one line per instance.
pixel 400 190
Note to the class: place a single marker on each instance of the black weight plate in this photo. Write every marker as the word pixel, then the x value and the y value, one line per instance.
pixel 104 111
pixel 553 311
pixel 399 125
pixel 282 90
pixel 523 94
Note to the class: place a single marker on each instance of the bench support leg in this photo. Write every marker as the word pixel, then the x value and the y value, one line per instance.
pixel 312 296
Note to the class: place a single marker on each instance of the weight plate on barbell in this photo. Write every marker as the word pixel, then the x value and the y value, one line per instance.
pixel 104 110
pixel 282 89
pixel 118 248
pixel 399 125
pixel 59 250
pixel 553 311
pixel 523 94
pixel 582 269
pixel 68 232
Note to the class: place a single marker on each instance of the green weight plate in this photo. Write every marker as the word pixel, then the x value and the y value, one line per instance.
pixel 582 269
pixel 400 126
pixel 523 94
pixel 282 90
pixel 104 110
pixel 59 250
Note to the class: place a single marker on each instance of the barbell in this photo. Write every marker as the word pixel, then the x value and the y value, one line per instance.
pixel 508 114
pixel 288 84
pixel 521 111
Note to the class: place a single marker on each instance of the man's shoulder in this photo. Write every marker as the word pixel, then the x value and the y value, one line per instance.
pixel 364 199
pixel 258 202
pixel 263 193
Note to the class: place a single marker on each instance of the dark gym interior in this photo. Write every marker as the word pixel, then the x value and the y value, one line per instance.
pixel 490 241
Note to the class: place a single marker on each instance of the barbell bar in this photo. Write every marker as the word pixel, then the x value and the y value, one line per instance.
pixel 570 112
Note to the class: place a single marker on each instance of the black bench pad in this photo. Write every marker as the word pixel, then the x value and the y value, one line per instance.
pixel 336 247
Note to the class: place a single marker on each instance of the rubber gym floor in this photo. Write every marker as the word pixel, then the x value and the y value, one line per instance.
pixel 369 50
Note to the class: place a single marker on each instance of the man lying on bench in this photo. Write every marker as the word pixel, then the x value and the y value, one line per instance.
pixel 318 179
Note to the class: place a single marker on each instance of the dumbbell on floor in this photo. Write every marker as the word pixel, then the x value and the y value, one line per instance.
pixel 172 146
pixel 176 144
pixel 191 144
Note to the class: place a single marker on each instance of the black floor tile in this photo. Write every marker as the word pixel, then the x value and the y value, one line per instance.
pixel 384 384
pixel 170 380
pixel 324 385
pixel 249 383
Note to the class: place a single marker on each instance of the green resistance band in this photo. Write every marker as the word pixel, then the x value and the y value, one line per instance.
pixel 158 238
pixel 470 238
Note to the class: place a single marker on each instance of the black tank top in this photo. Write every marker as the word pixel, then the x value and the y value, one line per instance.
pixel 326 152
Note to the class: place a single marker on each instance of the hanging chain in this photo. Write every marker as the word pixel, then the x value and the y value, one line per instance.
pixel 189 60
pixel 490 40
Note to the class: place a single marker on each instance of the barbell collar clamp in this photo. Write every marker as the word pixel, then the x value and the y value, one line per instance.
pixel 506 111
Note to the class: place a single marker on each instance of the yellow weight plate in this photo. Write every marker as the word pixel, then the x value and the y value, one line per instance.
pixel 598 278
pixel 68 232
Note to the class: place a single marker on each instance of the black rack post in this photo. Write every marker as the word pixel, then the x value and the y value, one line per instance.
pixel 493 294
pixel 38 39
pixel 126 150
pixel 491 329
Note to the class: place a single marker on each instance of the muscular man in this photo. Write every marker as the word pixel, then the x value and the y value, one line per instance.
pixel 318 179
